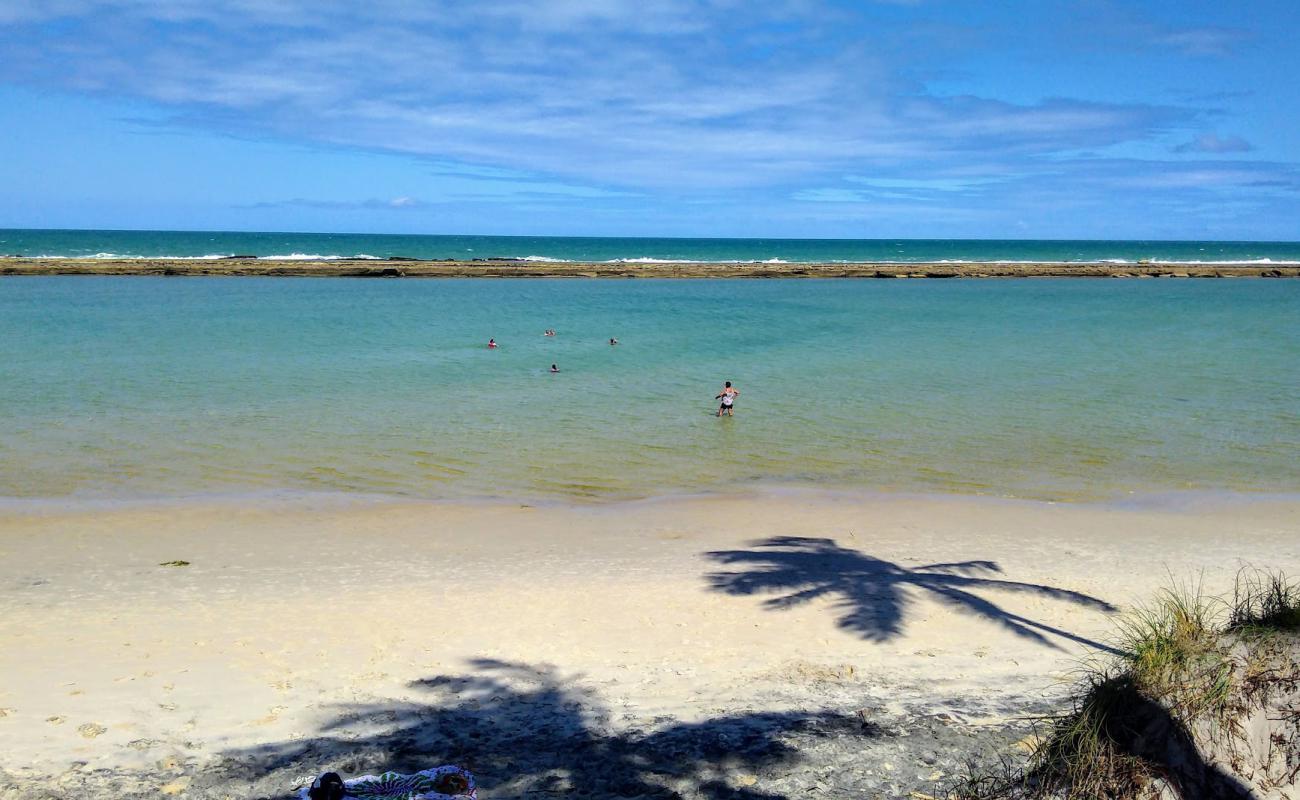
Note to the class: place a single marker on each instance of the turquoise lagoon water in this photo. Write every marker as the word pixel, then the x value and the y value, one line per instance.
pixel 201 244
pixel 120 387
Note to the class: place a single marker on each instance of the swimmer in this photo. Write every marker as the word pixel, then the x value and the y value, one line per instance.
pixel 554 368
pixel 728 397
pixel 612 341
pixel 492 344
pixel 548 332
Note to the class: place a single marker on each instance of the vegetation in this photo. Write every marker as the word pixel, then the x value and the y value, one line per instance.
pixel 1187 662
pixel 1263 602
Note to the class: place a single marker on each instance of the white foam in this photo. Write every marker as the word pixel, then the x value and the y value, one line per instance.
pixel 118 256
pixel 302 257
pixel 1149 262
pixel 648 260
pixel 1155 261
pixel 1225 262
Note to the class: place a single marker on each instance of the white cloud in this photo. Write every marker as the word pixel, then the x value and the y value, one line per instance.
pixel 944 184
pixel 606 94
pixel 1206 42
pixel 1212 143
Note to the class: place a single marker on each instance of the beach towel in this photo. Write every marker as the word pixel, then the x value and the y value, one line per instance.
pixel 440 783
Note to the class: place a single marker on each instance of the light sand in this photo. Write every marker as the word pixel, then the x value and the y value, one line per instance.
pixel 287 614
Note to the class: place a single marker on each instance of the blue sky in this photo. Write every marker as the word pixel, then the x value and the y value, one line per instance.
pixel 908 118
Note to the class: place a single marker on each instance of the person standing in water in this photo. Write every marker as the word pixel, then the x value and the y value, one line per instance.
pixel 728 397
pixel 554 368
pixel 492 344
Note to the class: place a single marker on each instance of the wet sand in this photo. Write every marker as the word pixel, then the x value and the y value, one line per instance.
pixel 519 269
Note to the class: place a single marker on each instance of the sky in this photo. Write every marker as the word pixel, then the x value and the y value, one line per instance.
pixel 787 118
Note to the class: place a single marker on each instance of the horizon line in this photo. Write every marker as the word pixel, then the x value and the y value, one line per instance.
pixel 644 237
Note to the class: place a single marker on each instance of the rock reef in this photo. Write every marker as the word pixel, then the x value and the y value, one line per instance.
pixel 402 267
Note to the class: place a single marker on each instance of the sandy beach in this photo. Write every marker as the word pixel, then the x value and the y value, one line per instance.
pixel 411 268
pixel 816 640
pixel 878 401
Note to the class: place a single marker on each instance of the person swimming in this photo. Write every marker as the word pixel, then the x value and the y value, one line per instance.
pixel 728 397
pixel 554 368
pixel 492 344
pixel 612 341
pixel 548 332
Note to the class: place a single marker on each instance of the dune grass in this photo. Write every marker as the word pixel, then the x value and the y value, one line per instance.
pixel 1173 650
pixel 1264 602
pixel 1179 663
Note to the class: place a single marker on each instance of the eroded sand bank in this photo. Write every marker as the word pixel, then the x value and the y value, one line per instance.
pixel 342 634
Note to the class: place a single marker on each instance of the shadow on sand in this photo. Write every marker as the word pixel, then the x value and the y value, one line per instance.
pixel 872 595
pixel 1147 731
pixel 525 730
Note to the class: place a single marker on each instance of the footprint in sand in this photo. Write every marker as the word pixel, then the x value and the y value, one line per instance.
pixel 175 787
pixel 4 712
pixel 271 717
pixel 91 729
pixel 56 720
pixel 170 764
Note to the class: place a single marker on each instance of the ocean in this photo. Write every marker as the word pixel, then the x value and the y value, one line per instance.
pixel 305 246
pixel 141 387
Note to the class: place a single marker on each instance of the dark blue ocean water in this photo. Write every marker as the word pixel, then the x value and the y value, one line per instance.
pixel 190 244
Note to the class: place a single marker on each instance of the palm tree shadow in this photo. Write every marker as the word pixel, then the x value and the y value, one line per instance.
pixel 872 596
pixel 525 730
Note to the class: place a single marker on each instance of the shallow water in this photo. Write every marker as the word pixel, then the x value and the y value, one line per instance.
pixel 1072 389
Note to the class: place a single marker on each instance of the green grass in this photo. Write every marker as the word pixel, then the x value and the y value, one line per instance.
pixel 1264 602
pixel 1176 666
pixel 1077 757
pixel 1173 651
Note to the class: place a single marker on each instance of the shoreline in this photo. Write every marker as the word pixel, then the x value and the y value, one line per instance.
pixel 412 268
pixel 297 500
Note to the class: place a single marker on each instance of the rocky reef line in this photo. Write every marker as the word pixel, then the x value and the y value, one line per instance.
pixel 504 268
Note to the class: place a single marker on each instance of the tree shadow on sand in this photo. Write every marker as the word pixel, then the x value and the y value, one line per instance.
pixel 872 595
pixel 525 730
